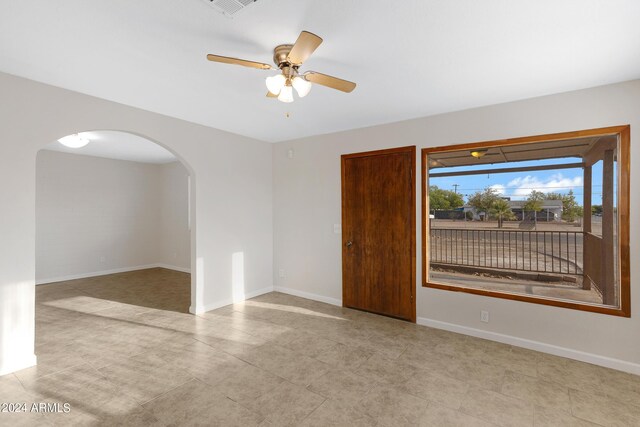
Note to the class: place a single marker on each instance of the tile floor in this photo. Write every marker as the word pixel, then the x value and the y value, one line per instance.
pixel 122 351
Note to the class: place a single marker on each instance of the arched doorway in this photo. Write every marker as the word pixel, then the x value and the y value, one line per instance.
pixel 115 221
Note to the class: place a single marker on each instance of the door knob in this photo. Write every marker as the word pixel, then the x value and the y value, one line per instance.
pixel 349 243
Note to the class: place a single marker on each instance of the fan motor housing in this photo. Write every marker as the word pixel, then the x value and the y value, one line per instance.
pixel 280 54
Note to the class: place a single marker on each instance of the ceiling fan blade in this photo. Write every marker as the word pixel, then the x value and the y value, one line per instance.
pixel 330 81
pixel 302 49
pixel 270 95
pixel 236 61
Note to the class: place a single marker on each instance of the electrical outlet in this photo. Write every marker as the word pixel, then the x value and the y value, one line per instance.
pixel 281 273
pixel 484 316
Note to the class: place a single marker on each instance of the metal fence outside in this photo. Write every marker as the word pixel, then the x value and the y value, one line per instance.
pixel 558 252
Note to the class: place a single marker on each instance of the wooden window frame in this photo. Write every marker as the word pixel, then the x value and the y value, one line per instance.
pixel 623 161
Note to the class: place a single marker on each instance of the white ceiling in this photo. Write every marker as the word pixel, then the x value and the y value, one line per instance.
pixel 410 58
pixel 118 145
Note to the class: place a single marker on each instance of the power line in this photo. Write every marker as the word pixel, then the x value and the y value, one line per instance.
pixel 568 187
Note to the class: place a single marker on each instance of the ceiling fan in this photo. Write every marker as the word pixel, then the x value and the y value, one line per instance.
pixel 288 59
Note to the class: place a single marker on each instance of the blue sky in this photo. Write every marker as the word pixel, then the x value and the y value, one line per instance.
pixel 518 185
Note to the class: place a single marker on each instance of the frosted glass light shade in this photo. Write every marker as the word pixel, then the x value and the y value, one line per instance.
pixel 73 141
pixel 286 94
pixel 301 86
pixel 276 83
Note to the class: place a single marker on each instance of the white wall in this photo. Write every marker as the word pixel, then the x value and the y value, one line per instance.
pixel 231 186
pixel 307 204
pixel 174 248
pixel 94 215
pixel 97 215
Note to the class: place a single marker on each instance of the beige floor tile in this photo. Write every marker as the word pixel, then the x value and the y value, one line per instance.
pixel 497 408
pixel 343 386
pixel 391 407
pixel 91 403
pixel 621 386
pixel 195 403
pixel 537 391
pixel 624 380
pixel 107 344
pixel 441 416
pixel 290 335
pixel 285 405
pixel 476 373
pixel 99 353
pixel 245 383
pixel 384 370
pixel 249 324
pixel 123 312
pixel 462 348
pixel 200 360
pixel 81 303
pixel 545 417
pixel 513 359
pixel 23 419
pixel 11 389
pixel 333 413
pixel 343 356
pixel 63 384
pixel 136 418
pixel 422 356
pixel 54 358
pixel 572 374
pixel 91 396
pixel 232 341
pixel 386 344
pixel 603 410
pixel 436 387
pixel 145 376
pixel 286 363
pixel 308 344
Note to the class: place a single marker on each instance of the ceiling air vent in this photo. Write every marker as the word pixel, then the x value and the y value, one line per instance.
pixel 229 8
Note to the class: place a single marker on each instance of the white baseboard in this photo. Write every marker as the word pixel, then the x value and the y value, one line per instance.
pixel 107 272
pixel 94 274
pixel 219 304
pixel 17 364
pixel 307 295
pixel 607 362
pixel 174 267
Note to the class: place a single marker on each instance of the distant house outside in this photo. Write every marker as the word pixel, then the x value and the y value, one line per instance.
pixel 551 210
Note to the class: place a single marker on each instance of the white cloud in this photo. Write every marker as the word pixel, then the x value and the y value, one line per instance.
pixel 499 188
pixel 521 187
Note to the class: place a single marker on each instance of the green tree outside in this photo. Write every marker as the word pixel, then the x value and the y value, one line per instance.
pixel 571 210
pixel 534 201
pixel 501 210
pixel 483 201
pixel 440 199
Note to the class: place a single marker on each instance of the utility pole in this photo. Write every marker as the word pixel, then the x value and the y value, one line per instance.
pixel 455 188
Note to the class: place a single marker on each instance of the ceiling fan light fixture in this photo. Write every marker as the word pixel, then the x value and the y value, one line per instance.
pixel 74 141
pixel 288 58
pixel 286 94
pixel 479 153
pixel 276 83
pixel 301 85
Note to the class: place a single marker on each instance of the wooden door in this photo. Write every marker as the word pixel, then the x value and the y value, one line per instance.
pixel 378 232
